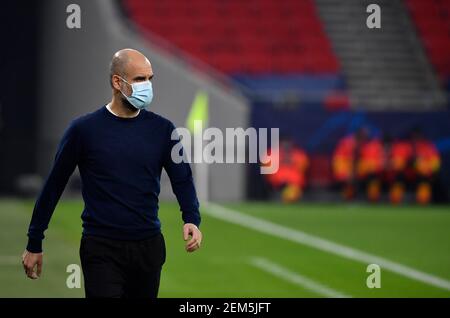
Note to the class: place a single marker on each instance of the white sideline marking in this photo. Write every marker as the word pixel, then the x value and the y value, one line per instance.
pixel 295 278
pixel 300 237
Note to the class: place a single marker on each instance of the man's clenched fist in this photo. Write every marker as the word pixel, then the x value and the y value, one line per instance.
pixel 192 230
pixel 32 264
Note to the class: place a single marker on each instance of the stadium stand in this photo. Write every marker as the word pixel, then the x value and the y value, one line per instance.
pixel 256 42
pixel 385 68
pixel 432 21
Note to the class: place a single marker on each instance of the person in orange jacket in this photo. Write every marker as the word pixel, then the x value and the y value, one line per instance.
pixel 290 179
pixel 346 162
pixel 426 163
pixel 370 168
pixel 398 169
pixel 417 162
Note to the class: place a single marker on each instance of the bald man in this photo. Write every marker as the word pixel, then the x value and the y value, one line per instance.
pixel 120 150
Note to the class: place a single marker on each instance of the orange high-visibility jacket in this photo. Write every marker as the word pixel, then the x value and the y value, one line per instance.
pixel 292 167
pixel 343 160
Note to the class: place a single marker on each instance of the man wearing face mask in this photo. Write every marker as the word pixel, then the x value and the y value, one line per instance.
pixel 120 150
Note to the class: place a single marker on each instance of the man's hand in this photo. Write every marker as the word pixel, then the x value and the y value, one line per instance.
pixel 32 264
pixel 196 237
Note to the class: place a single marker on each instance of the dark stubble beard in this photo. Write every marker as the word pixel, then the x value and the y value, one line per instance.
pixel 127 104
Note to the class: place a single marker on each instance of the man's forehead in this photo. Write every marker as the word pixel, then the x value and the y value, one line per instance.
pixel 140 69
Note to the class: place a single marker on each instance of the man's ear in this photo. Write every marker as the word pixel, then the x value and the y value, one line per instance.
pixel 115 80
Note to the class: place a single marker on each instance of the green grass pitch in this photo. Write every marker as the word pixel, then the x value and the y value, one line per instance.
pixel 418 237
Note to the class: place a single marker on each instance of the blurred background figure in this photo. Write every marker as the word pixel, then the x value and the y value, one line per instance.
pixel 425 164
pixel 394 163
pixel 371 167
pixel 399 169
pixel 348 166
pixel 413 164
pixel 289 182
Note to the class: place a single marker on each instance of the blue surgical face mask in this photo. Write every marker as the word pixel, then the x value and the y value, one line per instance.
pixel 142 94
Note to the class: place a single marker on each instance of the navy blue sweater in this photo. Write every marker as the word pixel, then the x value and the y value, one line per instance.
pixel 120 162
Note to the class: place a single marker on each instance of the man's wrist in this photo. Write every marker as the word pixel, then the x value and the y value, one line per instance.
pixel 34 245
pixel 193 223
pixel 193 219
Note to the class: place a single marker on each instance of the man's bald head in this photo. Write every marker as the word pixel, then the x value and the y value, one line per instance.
pixel 127 63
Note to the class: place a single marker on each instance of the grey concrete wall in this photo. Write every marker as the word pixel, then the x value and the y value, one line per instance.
pixel 74 80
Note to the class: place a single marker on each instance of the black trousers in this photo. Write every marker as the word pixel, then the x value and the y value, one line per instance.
pixel 122 269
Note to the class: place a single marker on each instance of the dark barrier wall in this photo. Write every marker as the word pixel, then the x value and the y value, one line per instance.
pixel 318 130
pixel 18 101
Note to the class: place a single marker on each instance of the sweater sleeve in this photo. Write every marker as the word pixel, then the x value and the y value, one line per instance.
pixel 64 164
pixel 180 176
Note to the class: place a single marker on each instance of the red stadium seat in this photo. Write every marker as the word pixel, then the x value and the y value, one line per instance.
pixel 432 20
pixel 254 36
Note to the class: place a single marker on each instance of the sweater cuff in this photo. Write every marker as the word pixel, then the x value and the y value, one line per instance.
pixel 193 218
pixel 34 245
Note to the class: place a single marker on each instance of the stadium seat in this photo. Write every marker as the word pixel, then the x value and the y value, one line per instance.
pixel 257 30
pixel 433 26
